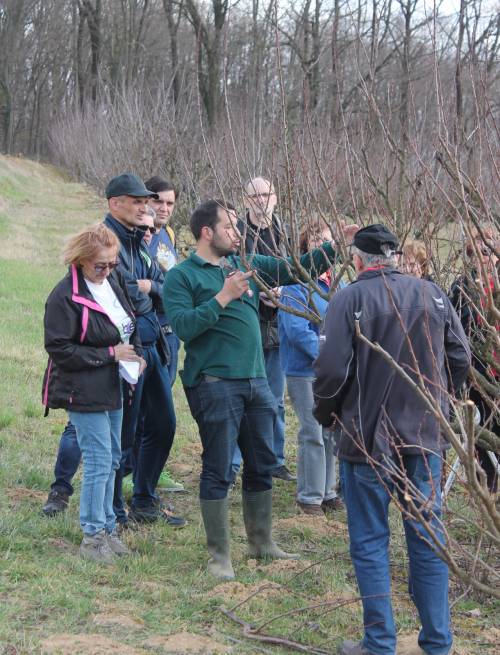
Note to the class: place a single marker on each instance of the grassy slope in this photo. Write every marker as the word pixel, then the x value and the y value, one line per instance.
pixel 45 589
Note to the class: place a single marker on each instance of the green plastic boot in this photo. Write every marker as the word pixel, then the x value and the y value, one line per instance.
pixel 216 521
pixel 257 511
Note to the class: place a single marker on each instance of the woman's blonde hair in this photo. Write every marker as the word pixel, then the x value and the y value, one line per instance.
pixel 88 242
pixel 417 250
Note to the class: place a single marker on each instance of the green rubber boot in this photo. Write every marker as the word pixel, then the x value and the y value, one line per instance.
pixel 257 510
pixel 216 521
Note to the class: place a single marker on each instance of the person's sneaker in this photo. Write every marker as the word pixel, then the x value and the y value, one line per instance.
pixel 116 545
pixel 350 647
pixel 332 504
pixel 152 514
pixel 309 508
pixel 97 548
pixel 168 484
pixel 282 473
pixel 57 502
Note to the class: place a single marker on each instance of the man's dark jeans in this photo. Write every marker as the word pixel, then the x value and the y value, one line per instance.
pixel 152 398
pixel 67 462
pixel 174 345
pixel 229 412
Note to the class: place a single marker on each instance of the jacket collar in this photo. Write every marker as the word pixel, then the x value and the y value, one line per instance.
pixel 82 296
pixel 377 272
pixel 275 224
pixel 123 233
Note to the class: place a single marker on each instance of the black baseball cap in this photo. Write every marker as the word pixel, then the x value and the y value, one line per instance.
pixel 371 239
pixel 128 184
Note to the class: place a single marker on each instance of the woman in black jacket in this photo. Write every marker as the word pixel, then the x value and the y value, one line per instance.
pixel 90 338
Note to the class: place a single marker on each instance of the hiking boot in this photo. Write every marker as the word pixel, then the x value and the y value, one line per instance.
pixel 332 504
pixel 282 473
pixel 152 514
pixel 168 484
pixel 116 545
pixel 216 522
pixel 57 502
pixel 96 547
pixel 350 647
pixel 310 509
pixel 257 510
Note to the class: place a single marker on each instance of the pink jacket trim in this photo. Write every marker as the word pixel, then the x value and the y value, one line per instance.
pixel 85 323
pixel 87 304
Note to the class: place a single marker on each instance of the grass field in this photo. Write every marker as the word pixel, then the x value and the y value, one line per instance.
pixel 160 599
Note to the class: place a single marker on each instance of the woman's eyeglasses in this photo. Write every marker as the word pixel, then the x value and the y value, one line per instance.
pixel 147 228
pixel 100 268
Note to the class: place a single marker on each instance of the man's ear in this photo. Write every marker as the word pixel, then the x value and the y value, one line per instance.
pixel 207 232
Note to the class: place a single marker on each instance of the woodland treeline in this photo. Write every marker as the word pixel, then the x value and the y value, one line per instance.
pixel 182 70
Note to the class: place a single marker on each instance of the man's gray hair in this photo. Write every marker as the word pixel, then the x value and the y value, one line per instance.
pixel 150 211
pixel 388 259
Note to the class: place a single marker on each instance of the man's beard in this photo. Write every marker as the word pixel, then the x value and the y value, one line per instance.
pixel 222 251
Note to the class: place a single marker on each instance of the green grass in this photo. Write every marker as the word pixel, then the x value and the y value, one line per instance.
pixel 48 590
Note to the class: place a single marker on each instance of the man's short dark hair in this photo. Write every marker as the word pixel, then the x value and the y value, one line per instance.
pixel 158 184
pixel 206 215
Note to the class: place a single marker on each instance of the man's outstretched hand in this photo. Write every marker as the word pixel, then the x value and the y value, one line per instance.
pixel 349 231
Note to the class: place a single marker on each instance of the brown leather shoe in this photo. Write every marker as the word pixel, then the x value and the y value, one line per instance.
pixel 308 508
pixel 332 504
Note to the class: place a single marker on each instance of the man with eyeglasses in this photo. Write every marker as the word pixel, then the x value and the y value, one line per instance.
pixel 263 234
pixel 127 201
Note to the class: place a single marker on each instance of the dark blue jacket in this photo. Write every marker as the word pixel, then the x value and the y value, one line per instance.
pixel 136 264
pixel 299 338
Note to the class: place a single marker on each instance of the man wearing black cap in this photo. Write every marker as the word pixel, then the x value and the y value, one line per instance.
pixel 389 441
pixel 127 199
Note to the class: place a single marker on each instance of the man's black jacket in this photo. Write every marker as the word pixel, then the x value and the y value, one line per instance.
pixel 376 408
pixel 269 242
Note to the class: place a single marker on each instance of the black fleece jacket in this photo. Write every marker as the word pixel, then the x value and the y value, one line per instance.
pixel 377 410
pixel 81 373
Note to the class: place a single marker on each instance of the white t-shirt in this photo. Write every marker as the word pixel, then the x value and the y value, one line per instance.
pixel 104 295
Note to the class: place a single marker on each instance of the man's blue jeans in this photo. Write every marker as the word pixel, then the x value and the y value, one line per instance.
pixel 230 412
pixel 152 398
pixel 367 501
pixel 276 381
pixel 67 462
pixel 98 435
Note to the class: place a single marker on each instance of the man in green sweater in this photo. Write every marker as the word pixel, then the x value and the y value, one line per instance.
pixel 212 299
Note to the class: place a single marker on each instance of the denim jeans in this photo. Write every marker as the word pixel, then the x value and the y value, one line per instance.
pixel 316 474
pixel 98 435
pixel 67 461
pixel 367 500
pixel 152 398
pixel 229 412
pixel 276 381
